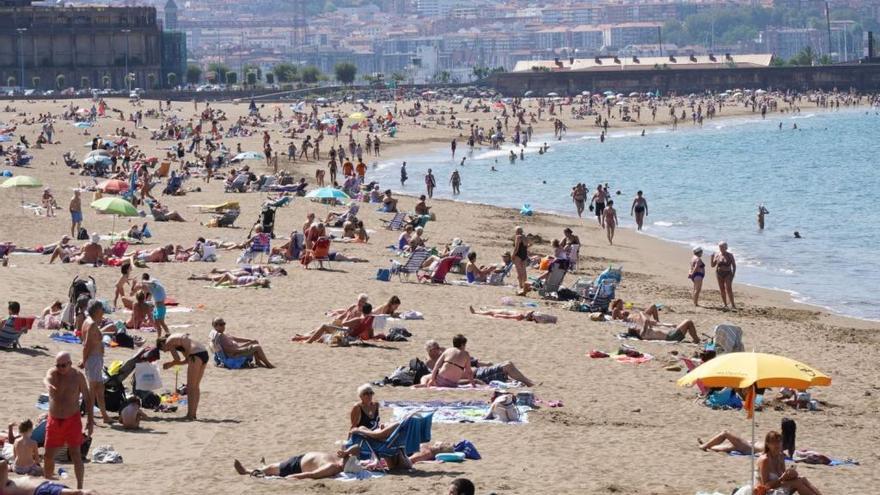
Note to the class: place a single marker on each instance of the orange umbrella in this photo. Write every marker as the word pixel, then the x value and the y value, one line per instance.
pixel 113 186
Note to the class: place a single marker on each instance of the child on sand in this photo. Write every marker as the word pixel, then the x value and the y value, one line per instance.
pixel 131 415
pixel 124 280
pixel 27 455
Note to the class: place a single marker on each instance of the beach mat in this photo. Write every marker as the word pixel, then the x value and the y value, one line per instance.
pixel 450 412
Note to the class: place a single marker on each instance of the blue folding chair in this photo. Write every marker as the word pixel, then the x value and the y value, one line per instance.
pixel 409 435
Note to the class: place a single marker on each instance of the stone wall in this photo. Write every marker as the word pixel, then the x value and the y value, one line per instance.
pixel 862 77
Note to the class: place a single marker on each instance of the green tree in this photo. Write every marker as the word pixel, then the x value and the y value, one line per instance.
pixel 10 81
pixel 806 57
pixel 84 82
pixel 220 70
pixel 270 78
pixel 232 78
pixel 107 81
pixel 480 72
pixel 443 77
pixel 35 81
pixel 151 81
pixel 252 78
pixel 193 74
pixel 59 81
pixel 825 60
pixel 171 78
pixel 777 62
pixel 345 72
pixel 310 74
pixel 253 68
pixel 398 76
pixel 285 72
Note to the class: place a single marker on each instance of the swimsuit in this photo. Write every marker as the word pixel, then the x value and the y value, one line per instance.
pixel 700 271
pixel 159 311
pixel 676 336
pixel 203 355
pixel 640 209
pixel 76 216
pixel 489 374
pixel 522 253
pixel 31 470
pixel 291 466
pixel 367 422
pixel 600 207
pixel 64 431
pixel 444 382
pixel 95 368
pixel 49 488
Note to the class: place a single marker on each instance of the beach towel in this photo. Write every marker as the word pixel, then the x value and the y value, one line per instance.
pixel 493 385
pixel 451 412
pixel 625 336
pixel 362 475
pixel 623 358
pixel 65 338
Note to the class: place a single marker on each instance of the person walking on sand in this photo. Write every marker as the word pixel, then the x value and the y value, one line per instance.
pixel 640 208
pixel 76 216
pixel 455 180
pixel 430 183
pixel 93 354
pixel 520 258
pixel 725 269
pixel 697 273
pixel 598 202
pixel 64 425
pixel 610 220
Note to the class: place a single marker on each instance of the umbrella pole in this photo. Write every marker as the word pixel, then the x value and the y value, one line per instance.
pixel 754 396
pixel 114 231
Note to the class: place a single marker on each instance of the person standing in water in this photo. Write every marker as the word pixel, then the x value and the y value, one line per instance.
pixel 452 146
pixel 610 219
pixel 403 176
pixel 598 201
pixel 455 180
pixel 725 269
pixel 430 183
pixel 761 213
pixel 640 208
pixel 579 196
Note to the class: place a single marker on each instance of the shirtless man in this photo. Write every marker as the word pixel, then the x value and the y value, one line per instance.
pixel 91 253
pixel 647 331
pixel 64 250
pixel 421 207
pixel 640 209
pixel 76 216
pixel 237 346
pixel 158 255
pixel 598 203
pixel 33 486
pixel 504 314
pixel 311 465
pixel 484 372
pixel 453 366
pixel 93 354
pixel 64 426
pixel 610 221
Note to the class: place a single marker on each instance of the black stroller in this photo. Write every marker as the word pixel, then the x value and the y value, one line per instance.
pixel 114 386
pixel 266 221
pixel 79 287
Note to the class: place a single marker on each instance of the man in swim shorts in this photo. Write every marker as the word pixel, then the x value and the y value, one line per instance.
pixel 93 354
pixel 64 425
pixel 33 486
pixel 76 216
pixel 683 329
pixel 311 465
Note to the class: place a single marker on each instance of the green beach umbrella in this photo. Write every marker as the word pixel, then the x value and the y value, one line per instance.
pixel 115 206
pixel 22 182
pixel 328 193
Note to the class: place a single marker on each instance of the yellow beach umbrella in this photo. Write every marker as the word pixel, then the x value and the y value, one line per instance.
pixel 752 370
pixel 357 116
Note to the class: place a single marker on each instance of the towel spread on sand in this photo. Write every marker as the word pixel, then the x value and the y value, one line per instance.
pixel 450 412
pixel 623 336
pixel 802 456
pixel 494 384
pixel 623 358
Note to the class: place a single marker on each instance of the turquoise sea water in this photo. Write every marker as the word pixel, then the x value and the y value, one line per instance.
pixel 704 185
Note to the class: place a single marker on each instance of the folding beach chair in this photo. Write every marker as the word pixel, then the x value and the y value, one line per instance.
pixel 497 278
pixel 396 223
pixel 598 298
pixel 413 431
pixel 320 252
pixel 260 244
pixel 12 329
pixel 438 275
pixel 554 279
pixel 413 264
pixel 728 338
pixel 690 365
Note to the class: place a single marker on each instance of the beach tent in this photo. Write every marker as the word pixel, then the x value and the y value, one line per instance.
pixel 753 370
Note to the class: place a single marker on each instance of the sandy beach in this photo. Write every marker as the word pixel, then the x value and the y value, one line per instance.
pixel 621 428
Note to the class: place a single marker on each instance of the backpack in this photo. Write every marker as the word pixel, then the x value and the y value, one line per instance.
pixel 83 234
pixel 402 377
pixel 419 369
pixel 149 400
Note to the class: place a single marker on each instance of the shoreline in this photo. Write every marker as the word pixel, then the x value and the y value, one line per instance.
pixel 401 152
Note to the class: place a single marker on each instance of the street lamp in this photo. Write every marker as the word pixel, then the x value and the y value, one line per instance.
pixel 127 78
pixel 21 55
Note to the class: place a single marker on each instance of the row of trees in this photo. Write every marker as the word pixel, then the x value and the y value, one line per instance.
pixel 61 81
pixel 283 73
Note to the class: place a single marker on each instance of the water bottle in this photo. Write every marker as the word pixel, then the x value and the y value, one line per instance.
pixel 62 473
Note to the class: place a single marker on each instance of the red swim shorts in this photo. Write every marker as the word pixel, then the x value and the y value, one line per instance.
pixel 61 432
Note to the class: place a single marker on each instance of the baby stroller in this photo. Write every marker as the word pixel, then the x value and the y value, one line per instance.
pixel 267 221
pixel 78 287
pixel 114 378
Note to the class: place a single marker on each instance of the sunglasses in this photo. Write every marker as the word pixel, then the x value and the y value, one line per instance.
pixel 61 366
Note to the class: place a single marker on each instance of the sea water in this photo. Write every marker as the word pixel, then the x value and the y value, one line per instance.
pixel 703 185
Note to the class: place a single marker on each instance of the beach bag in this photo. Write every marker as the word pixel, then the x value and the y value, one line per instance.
pixel 147 377
pixel 149 400
pixel 468 449
pixel 565 294
pixel 383 274
pixel 402 377
pixel 124 340
pixel 83 234
pixel 418 368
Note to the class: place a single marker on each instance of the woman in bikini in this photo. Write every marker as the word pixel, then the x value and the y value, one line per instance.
pixel 697 273
pixel 504 314
pixel 520 258
pixel 195 357
pixel 773 473
pixel 725 269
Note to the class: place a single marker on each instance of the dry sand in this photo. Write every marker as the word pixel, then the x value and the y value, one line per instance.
pixel 623 428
